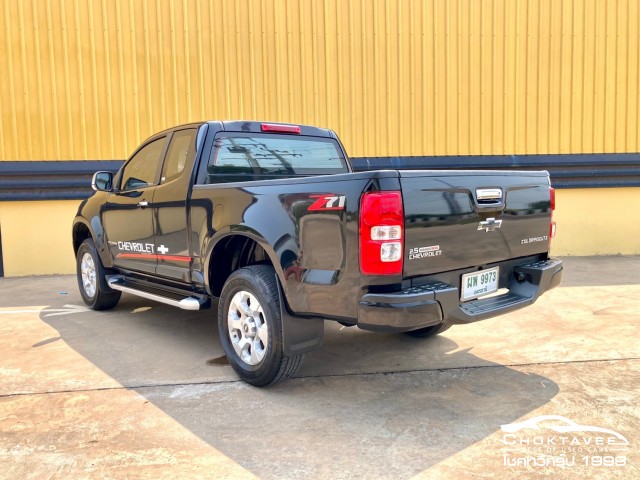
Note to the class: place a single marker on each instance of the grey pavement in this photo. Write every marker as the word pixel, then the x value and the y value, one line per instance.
pixel 144 390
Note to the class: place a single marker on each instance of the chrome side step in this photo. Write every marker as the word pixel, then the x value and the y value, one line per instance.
pixel 116 282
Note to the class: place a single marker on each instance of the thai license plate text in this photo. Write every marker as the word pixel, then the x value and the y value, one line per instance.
pixel 480 283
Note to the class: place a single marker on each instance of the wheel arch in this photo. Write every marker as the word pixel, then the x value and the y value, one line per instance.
pixel 80 233
pixel 83 229
pixel 233 251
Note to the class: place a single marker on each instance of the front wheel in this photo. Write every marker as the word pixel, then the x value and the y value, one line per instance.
pixel 92 279
pixel 250 327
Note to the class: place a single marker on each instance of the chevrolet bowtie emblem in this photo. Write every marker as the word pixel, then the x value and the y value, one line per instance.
pixel 489 225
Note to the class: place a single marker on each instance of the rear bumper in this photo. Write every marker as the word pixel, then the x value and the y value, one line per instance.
pixel 436 302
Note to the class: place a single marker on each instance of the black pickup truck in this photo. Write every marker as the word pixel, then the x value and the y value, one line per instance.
pixel 271 220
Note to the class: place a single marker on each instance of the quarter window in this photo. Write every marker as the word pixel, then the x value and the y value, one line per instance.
pixel 181 151
pixel 140 171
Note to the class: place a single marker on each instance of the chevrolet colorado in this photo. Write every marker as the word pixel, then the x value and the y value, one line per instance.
pixel 271 220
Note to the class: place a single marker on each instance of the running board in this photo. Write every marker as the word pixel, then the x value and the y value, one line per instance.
pixel 117 282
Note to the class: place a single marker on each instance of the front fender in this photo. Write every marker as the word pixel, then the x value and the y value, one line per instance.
pixel 89 217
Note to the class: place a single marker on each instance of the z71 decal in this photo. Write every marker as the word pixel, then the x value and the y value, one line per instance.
pixel 328 202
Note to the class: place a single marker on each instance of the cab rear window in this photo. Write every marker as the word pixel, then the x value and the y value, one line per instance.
pixel 244 157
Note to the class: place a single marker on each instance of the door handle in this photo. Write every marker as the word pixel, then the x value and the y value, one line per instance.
pixel 143 204
pixel 490 199
pixel 489 194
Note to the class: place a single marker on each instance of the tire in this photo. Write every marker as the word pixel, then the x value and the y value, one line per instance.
pixel 429 331
pixel 92 280
pixel 250 327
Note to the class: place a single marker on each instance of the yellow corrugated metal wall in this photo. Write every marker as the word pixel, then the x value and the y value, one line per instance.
pixel 89 79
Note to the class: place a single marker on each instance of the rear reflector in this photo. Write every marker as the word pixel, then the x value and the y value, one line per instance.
pixel 277 128
pixel 390 252
pixel 381 233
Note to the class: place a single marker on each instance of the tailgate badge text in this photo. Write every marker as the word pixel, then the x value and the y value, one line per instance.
pixel 422 252
pixel 543 238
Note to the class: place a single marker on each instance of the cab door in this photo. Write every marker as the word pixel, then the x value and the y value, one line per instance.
pixel 170 207
pixel 128 215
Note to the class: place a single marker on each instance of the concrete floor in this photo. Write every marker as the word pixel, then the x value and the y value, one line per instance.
pixel 143 391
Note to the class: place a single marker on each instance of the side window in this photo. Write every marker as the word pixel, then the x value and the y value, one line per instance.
pixel 141 170
pixel 181 151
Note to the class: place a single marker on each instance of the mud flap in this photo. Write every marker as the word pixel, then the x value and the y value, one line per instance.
pixel 299 335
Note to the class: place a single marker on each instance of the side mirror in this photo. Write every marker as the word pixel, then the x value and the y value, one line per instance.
pixel 102 181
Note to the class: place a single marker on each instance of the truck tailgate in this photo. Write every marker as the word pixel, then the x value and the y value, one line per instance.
pixel 449 225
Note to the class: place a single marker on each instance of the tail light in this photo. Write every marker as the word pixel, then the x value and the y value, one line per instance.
pixel 381 233
pixel 552 199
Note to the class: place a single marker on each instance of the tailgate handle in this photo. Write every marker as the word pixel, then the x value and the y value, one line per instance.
pixel 489 195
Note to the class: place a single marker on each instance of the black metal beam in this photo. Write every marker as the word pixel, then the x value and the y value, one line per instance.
pixel 566 170
pixel 70 180
pixel 37 180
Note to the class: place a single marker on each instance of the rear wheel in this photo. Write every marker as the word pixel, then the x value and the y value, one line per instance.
pixel 92 280
pixel 250 327
pixel 429 331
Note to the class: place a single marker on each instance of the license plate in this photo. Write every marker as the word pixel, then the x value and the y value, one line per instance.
pixel 480 283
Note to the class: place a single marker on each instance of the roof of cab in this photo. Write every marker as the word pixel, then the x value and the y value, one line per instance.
pixel 249 126
pixel 256 127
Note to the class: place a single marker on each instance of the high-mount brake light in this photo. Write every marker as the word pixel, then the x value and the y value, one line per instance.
pixel 552 201
pixel 277 128
pixel 381 233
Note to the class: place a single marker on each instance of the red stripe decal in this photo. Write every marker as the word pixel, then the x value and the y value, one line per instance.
pixel 152 256
pixel 147 256
pixel 174 258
